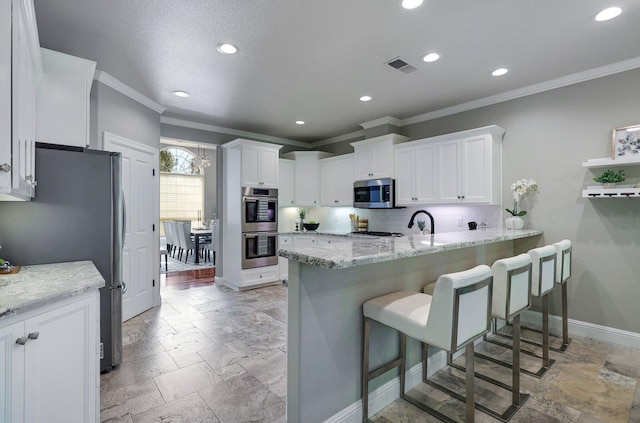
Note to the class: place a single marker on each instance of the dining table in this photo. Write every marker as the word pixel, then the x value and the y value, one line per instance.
pixel 198 233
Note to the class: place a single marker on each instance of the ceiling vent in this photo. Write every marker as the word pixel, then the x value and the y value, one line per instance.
pixel 401 65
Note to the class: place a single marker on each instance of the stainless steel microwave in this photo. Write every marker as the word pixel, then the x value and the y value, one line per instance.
pixel 374 194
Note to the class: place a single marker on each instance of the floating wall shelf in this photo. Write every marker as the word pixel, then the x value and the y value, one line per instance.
pixel 619 192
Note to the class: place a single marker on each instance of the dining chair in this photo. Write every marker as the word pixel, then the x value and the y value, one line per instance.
pixel 176 239
pixel 168 236
pixel 210 247
pixel 185 239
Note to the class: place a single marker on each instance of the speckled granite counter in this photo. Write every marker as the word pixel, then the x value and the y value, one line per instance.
pixel 340 252
pixel 36 286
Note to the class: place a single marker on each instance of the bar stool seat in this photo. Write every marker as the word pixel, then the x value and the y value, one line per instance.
pixel 457 314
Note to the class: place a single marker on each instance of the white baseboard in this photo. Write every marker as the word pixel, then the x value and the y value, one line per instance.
pixel 585 329
pixel 390 391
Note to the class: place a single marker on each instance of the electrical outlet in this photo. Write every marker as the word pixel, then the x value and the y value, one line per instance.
pixel 460 221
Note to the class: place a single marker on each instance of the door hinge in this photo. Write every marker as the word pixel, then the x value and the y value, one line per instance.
pixel 154 227
pixel 153 172
pixel 154 283
pixel 101 350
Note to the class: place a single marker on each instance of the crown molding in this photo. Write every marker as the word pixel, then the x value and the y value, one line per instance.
pixel 229 131
pixel 122 88
pixel 553 84
pixel 346 137
pixel 387 120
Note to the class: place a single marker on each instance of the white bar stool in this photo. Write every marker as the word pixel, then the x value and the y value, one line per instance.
pixel 457 314
pixel 543 260
pixel 511 296
pixel 563 273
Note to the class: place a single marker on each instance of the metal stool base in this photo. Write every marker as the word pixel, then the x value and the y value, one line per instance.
pixel 543 370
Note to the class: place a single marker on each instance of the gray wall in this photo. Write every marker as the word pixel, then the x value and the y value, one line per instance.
pixel 114 112
pixel 548 136
pixel 197 135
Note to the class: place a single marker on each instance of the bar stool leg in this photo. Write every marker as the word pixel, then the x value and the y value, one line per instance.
pixel 545 331
pixel 365 370
pixel 515 367
pixel 403 366
pixel 565 318
pixel 469 373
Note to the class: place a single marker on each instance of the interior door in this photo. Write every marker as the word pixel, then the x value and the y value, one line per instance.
pixel 141 241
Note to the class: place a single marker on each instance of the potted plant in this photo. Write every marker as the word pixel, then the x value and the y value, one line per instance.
pixel 610 178
pixel 520 188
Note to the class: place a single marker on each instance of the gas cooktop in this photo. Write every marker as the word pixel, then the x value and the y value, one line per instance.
pixel 375 233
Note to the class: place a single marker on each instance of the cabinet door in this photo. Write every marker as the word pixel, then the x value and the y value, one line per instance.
pixel 344 184
pixel 61 365
pixel 286 175
pixel 476 169
pixel 307 181
pixel 425 174
pixel 405 176
pixel 5 95
pixel 250 166
pixel 382 160
pixel 328 182
pixel 11 373
pixel 448 168
pixel 364 162
pixel 268 168
pixel 336 182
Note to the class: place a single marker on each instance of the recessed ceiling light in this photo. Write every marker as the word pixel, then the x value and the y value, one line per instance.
pixel 182 94
pixel 227 48
pixel 299 122
pixel 607 14
pixel 365 98
pixel 499 72
pixel 411 4
pixel 431 57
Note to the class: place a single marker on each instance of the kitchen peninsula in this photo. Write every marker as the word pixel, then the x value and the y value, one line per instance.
pixel 328 283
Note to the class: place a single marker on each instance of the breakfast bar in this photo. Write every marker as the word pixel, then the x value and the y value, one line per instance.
pixel 328 283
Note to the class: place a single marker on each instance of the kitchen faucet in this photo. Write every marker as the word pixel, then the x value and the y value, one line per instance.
pixel 433 229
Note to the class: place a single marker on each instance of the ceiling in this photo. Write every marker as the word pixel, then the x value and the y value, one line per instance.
pixel 313 60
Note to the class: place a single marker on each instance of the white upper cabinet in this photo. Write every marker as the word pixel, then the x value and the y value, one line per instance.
pixel 469 169
pixel 63 92
pixel 307 177
pixel 285 183
pixel 463 167
pixel 415 174
pixel 260 165
pixel 336 181
pixel 374 157
pixel 20 57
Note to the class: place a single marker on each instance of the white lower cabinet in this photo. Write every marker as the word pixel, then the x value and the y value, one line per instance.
pixel 284 241
pixel 49 363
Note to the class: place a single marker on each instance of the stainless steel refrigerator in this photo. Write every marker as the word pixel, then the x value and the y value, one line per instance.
pixel 77 214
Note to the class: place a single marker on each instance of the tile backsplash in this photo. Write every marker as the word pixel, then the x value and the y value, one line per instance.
pixel 448 218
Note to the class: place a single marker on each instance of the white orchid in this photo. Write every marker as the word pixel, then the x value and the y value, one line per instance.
pixel 520 188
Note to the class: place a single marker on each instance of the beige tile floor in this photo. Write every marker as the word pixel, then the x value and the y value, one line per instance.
pixel 210 354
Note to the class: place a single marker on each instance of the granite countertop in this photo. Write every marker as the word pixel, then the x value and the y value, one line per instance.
pixel 345 251
pixel 43 284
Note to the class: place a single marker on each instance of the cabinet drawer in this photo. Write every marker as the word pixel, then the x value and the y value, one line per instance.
pixel 260 275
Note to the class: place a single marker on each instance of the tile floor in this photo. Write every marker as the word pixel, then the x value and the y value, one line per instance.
pixel 210 354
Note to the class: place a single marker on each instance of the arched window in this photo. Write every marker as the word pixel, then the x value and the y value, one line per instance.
pixel 181 187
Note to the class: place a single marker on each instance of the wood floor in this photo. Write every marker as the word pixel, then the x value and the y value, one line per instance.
pixel 188 279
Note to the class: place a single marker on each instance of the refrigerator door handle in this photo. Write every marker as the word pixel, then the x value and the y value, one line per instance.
pixel 124 287
pixel 124 217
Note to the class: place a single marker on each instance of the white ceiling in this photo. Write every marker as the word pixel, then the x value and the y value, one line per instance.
pixel 312 60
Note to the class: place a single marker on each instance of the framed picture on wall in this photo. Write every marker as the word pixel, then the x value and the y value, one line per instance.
pixel 626 142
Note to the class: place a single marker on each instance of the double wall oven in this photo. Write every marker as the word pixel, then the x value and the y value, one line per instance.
pixel 259 227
